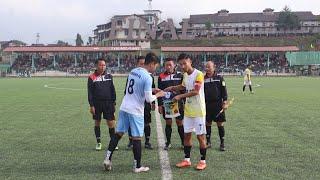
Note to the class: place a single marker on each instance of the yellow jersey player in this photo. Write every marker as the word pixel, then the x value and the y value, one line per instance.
pixel 194 110
pixel 247 79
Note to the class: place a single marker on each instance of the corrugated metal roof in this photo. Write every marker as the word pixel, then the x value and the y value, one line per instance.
pixel 70 49
pixel 247 17
pixel 230 49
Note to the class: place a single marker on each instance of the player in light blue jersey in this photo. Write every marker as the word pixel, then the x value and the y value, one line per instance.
pixel 131 114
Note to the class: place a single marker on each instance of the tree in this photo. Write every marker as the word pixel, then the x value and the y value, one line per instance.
pixel 62 43
pixel 79 41
pixel 18 43
pixel 208 28
pixel 287 20
pixel 90 41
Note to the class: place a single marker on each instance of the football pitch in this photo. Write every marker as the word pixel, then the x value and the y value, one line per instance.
pixel 46 132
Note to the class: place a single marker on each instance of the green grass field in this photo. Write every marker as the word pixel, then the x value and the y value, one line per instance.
pixel 48 133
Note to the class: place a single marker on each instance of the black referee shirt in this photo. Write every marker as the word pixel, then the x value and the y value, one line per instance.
pixel 101 88
pixel 215 88
pixel 166 80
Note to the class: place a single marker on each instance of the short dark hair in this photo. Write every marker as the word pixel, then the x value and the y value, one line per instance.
pixel 141 57
pixel 169 59
pixel 183 56
pixel 151 58
pixel 99 59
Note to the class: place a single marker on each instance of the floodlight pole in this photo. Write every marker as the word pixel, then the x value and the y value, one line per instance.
pixel 32 61
pixel 54 61
pixel 161 58
pixel 226 58
pixel 205 57
pixel 75 60
pixel 268 60
pixel 118 57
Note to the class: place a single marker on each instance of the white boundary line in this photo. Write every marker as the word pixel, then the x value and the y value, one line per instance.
pixel 71 89
pixel 163 155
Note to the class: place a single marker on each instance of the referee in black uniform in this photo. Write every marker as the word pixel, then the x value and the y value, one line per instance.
pixel 216 99
pixel 170 77
pixel 148 107
pixel 102 99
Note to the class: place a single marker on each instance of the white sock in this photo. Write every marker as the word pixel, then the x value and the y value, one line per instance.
pixel 108 153
pixel 134 163
pixel 187 159
pixel 203 161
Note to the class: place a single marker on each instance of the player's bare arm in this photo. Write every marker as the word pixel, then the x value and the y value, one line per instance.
pixel 175 88
pixel 92 110
pixel 185 95
pixel 225 105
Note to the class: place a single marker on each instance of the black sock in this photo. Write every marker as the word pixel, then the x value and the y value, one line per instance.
pixel 168 133
pixel 208 136
pixel 111 132
pixel 181 134
pixel 97 133
pixel 147 132
pixel 187 151
pixel 113 144
pixel 137 152
pixel 221 134
pixel 203 153
pixel 250 88
pixel 129 134
pixel 244 88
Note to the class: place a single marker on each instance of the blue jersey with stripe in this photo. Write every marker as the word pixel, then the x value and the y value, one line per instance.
pixel 139 81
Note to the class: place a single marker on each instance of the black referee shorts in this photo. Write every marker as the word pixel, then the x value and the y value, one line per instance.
pixel 212 110
pixel 107 108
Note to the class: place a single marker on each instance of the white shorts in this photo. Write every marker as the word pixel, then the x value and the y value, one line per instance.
pixel 247 83
pixel 197 125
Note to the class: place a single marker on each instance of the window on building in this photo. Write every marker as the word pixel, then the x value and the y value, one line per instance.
pixel 126 32
pixel 237 29
pixel 119 23
pixel 243 28
pixel 257 29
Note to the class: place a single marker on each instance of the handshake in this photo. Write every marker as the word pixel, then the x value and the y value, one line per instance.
pixel 158 92
pixel 161 93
